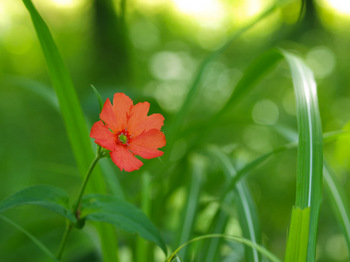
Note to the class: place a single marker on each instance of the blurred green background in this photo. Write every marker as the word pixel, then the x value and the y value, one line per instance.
pixel 151 49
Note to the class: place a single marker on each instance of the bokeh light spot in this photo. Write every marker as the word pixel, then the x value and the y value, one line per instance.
pixel 265 112
pixel 321 60
pixel 336 247
pixel 339 6
pixel 166 65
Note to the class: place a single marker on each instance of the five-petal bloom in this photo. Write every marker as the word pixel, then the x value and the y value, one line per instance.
pixel 127 131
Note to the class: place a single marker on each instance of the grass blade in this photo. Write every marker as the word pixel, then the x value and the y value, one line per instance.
pixel 339 201
pixel 241 240
pixel 310 149
pixel 192 202
pixel 245 206
pixel 74 120
pixel 297 244
pixel 40 245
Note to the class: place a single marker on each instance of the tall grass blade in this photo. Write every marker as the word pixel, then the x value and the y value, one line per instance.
pixel 310 149
pixel 248 218
pixel 192 202
pixel 297 244
pixel 37 242
pixel 73 119
pixel 339 201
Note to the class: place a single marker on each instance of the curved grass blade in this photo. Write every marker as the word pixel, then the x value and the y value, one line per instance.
pixel 40 245
pixel 74 120
pixel 104 208
pixel 241 240
pixel 192 202
pixel 99 98
pixel 339 201
pixel 49 197
pixel 310 149
pixel 245 206
pixel 327 137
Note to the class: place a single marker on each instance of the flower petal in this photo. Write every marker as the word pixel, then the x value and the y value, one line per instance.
pixel 154 121
pixel 139 121
pixel 109 116
pixel 138 115
pixel 124 159
pixel 122 105
pixel 103 136
pixel 146 144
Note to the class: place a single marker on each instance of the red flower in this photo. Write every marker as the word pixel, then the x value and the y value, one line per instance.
pixel 127 131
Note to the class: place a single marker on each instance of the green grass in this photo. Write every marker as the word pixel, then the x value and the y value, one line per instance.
pixel 215 195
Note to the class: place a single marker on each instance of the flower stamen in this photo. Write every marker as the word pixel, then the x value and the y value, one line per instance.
pixel 123 138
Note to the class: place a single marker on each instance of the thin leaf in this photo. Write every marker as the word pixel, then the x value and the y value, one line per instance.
pixel 192 202
pixel 49 197
pixel 241 240
pixel 247 211
pixel 40 245
pixel 310 148
pixel 297 244
pixel 328 137
pixel 122 214
pixel 74 121
pixel 99 98
pixel 339 201
pixel 310 156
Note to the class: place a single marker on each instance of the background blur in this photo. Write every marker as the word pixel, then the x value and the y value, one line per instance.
pixel 152 53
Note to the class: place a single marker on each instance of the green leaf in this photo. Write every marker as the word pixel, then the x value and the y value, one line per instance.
pixel 342 149
pixel 74 121
pixel 244 241
pixel 99 98
pixel 248 218
pixel 339 201
pixel 191 207
pixel 40 245
pixel 122 214
pixel 50 197
pixel 297 244
pixel 310 148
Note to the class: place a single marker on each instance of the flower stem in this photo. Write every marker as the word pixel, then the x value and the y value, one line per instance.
pixel 68 229
pixel 83 186
pixel 70 225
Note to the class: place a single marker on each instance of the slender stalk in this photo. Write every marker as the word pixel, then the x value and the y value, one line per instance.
pixel 69 226
pixel 83 186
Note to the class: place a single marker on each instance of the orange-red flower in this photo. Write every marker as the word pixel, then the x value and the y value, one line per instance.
pixel 127 131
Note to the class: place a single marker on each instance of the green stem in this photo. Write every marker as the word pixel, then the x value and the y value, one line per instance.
pixel 100 154
pixel 88 174
pixel 69 227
